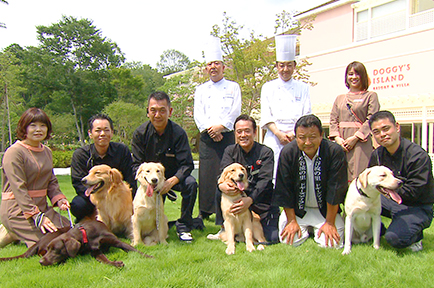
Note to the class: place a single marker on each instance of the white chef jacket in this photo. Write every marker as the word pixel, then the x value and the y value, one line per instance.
pixel 217 103
pixel 282 103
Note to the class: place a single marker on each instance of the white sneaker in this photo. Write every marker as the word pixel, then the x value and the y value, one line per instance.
pixel 416 247
pixel 185 236
pixel 215 236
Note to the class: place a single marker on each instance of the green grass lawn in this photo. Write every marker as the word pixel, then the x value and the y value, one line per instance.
pixel 205 264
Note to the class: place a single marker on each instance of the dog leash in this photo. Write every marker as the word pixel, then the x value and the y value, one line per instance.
pixel 158 211
pixel 70 218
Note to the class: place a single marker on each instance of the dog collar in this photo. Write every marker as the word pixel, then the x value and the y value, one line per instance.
pixel 83 232
pixel 360 190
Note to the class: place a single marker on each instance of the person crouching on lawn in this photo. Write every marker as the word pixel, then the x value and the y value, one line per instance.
pixel 311 182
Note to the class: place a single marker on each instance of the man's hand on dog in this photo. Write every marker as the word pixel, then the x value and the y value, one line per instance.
pixel 241 205
pixel 228 188
pixel 331 234
pixel 290 230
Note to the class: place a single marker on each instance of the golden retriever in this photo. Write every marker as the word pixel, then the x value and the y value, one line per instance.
pixel 246 223
pixel 150 225
pixel 363 205
pixel 112 198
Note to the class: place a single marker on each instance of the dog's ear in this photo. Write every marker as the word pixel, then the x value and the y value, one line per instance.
pixel 363 177
pixel 139 171
pixel 223 176
pixel 72 247
pixel 161 167
pixel 115 175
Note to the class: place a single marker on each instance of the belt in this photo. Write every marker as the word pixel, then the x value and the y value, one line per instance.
pixel 32 193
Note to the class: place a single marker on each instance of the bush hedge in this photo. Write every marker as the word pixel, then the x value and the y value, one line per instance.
pixel 62 159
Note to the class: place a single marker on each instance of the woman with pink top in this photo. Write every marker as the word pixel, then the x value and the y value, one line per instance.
pixel 28 179
pixel 349 119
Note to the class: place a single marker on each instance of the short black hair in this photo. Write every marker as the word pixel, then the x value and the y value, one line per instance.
pixel 160 95
pixel 308 121
pixel 246 117
pixel 384 114
pixel 100 116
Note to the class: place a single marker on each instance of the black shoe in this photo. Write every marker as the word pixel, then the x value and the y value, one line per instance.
pixel 171 195
pixel 204 215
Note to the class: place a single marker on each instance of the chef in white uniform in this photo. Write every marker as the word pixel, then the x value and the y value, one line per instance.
pixel 284 99
pixel 217 103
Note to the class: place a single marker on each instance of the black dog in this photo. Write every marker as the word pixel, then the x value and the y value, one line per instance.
pixel 40 247
pixel 88 236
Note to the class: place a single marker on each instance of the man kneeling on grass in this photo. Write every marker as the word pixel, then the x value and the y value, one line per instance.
pixel 311 182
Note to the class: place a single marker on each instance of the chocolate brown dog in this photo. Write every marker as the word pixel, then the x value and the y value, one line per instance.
pixel 40 247
pixel 88 236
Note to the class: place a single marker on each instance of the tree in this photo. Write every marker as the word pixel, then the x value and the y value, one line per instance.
pixel 251 62
pixel 126 118
pixel 172 61
pixel 10 87
pixel 3 25
pixel 73 59
pixel 152 79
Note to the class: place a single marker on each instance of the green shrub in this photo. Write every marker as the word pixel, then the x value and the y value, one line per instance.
pixel 62 159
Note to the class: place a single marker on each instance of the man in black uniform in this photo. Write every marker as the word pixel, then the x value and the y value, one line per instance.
pixel 259 162
pixel 411 164
pixel 102 151
pixel 161 140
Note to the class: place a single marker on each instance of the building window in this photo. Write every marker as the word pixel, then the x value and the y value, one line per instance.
pixel 382 17
pixel 418 6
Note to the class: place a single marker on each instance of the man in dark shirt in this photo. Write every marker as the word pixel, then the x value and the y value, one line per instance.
pixel 164 141
pixel 311 182
pixel 259 162
pixel 102 151
pixel 410 163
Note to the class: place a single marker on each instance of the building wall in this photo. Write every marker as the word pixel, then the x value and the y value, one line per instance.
pixel 399 65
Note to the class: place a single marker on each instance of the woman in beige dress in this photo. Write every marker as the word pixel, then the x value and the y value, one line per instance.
pixel 349 119
pixel 28 179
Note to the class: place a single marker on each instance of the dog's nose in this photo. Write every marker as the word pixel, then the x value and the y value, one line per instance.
pixel 154 180
pixel 83 181
pixel 241 175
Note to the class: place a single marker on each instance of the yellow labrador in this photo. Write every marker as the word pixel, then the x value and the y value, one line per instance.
pixel 112 198
pixel 363 205
pixel 243 223
pixel 150 225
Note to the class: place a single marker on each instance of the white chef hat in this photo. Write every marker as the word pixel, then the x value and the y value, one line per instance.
pixel 213 50
pixel 285 47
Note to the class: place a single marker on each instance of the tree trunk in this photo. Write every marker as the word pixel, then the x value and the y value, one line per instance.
pixel 77 126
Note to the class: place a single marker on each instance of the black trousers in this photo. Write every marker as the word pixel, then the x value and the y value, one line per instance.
pixel 81 207
pixel 188 189
pixel 408 222
pixel 210 155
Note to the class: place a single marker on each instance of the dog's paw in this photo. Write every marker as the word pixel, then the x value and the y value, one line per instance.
pixel 376 246
pixel 260 247
pixel 250 248
pixel 230 250
pixel 118 264
pixel 164 242
pixel 346 251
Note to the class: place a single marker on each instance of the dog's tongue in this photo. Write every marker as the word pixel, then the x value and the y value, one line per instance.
pixel 395 197
pixel 89 190
pixel 240 185
pixel 149 190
